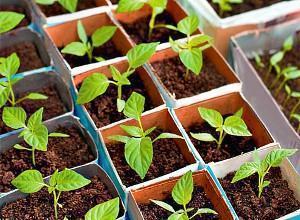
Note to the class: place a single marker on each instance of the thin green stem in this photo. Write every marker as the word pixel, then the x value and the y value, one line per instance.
pixel 275 81
pixel 268 73
pixel 295 108
pixel 55 204
pixel 186 75
pixel 33 156
pixel 286 100
pixel 119 92
pixel 151 24
pixel 90 54
pixel 280 87
pixel 12 94
pixel 298 129
pixel 261 181
pixel 221 138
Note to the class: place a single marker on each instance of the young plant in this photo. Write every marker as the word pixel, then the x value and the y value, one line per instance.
pixel 288 73
pixel 232 125
pixel 86 46
pixel 108 210
pixel 139 145
pixel 34 132
pixel 31 181
pixel 158 6
pixel 290 94
pixel 8 68
pixel 182 195
pixel 262 167
pixel 225 5
pixel 97 83
pixel 296 117
pixel 69 5
pixel 9 20
pixel 258 61
pixel 296 106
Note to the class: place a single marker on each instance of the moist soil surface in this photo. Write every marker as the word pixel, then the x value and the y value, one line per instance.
pixel 291 58
pixel 28 54
pixel 232 145
pixel 138 31
pixel 61 153
pixel 166 159
pixel 57 9
pixel 53 106
pixel 276 200
pixel 75 203
pixel 14 8
pixel 171 72
pixel 103 109
pixel 107 51
pixel 247 5
pixel 199 200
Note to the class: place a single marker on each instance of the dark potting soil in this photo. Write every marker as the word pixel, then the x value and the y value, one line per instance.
pixel 291 58
pixel 114 1
pixel 57 9
pixel 166 159
pixel 53 106
pixel 75 203
pixel 171 72
pixel 107 51
pixel 14 8
pixel 61 153
pixel 138 31
pixel 103 109
pixel 247 5
pixel 28 54
pixel 232 145
pixel 199 200
pixel 276 200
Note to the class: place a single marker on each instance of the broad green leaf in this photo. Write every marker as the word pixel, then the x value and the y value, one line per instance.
pixel 55 134
pixel 108 210
pixel 35 119
pixel 10 65
pixel 183 189
pixel 81 32
pixel 164 205
pixel 276 58
pixel 130 5
pixel 288 43
pixel 275 157
pixel 205 211
pixel 69 5
pixel 140 54
pixel 192 59
pixel 4 94
pixel 167 136
pixel 20 147
pixel 293 75
pixel 200 39
pixel 68 180
pixel 211 116
pixel 75 48
pixel 119 138
pixel 188 25
pixel 246 170
pixel 203 137
pixel 37 138
pixel 120 105
pixel 102 35
pixel 93 86
pixel 132 130
pixel 14 117
pixel 234 125
pixel 45 2
pixel 29 181
pixel 139 155
pixel 149 131
pixel 239 113
pixel 36 96
pixel 134 106
pixel 9 20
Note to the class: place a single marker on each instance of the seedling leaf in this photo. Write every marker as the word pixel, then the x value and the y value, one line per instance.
pixel 9 20
pixel 14 117
pixel 108 210
pixel 234 125
pixel 68 180
pixel 192 59
pixel 102 35
pixel 211 116
pixel 164 205
pixel 130 5
pixel 134 106
pixel 29 181
pixel 75 48
pixel 188 25
pixel 203 137
pixel 70 5
pixel 182 191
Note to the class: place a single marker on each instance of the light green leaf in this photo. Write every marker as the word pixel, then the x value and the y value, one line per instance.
pixel 211 116
pixel 75 48
pixel 239 113
pixel 167 136
pixel 246 170
pixel 276 58
pixel 10 65
pixel 296 116
pixel 37 138
pixel 120 105
pixel 275 157
pixel 200 39
pixel 119 138
pixel 266 183
pixel 288 43
pixel 234 125
pixel 29 181
pixel 102 35
pixel 108 210
pixel 134 106
pixel 188 25
pixel 182 191
pixel 132 130
pixel 205 211
pixel 9 20
pixel 36 96
pixel 4 94
pixel 130 5
pixel 45 2
pixel 20 147
pixel 164 205
pixel 149 131
pixel 69 5
pixel 99 59
pixel 203 137
pixel 14 117
pixel 53 178
pixel 81 32
pixel 192 59
pixel 178 216
pixel 158 3
pixel 55 134
pixel 35 119
pixel 116 75
pixel 293 75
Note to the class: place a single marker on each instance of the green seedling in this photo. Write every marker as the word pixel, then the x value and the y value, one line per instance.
pixel 232 125
pixel 31 181
pixel 139 145
pixel 289 73
pixel 258 60
pixel 34 132
pixel 288 92
pixel 296 117
pixel 86 46
pixel 158 6
pixel 225 5
pixel 8 68
pixel 297 105
pixel 9 20
pixel 69 5
pixel 182 195
pixel 108 210
pixel 262 167
pixel 97 83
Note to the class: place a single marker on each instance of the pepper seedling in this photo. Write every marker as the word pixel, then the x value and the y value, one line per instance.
pixel 232 125
pixel 158 6
pixel 97 83
pixel 8 68
pixel 9 20
pixel 258 60
pixel 86 46
pixel 225 5
pixel 289 73
pixel 34 133
pixel 139 145
pixel 296 117
pixel 262 167
pixel 31 181
pixel 69 5
pixel 182 194
pixel 108 210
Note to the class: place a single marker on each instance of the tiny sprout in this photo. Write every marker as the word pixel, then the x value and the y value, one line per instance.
pixel 9 20
pixel 233 125
pixel 108 210
pixel 289 73
pixel 296 117
pixel 262 167
pixel 258 61
pixel 99 37
pixel 296 106
pixel 69 5
pixel 31 181
pixel 182 195
pixel 138 146
pixel 225 5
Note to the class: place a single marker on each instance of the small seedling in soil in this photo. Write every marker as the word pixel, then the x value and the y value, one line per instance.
pixel 158 6
pixel 8 68
pixel 108 210
pixel 139 145
pixel 225 5
pixel 182 195
pixel 97 83
pixel 69 5
pixel 296 106
pixel 34 133
pixel 86 46
pixel 296 117
pixel 31 181
pixel 289 73
pixel 258 60
pixel 9 20
pixel 233 125
pixel 262 167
